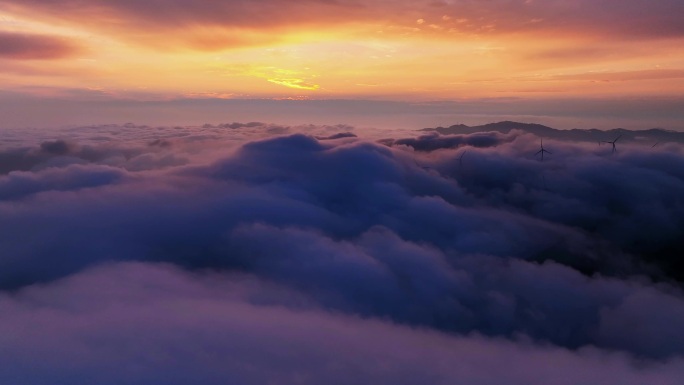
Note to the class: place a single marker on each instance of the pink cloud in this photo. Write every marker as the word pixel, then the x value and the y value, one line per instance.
pixel 210 25
pixel 35 47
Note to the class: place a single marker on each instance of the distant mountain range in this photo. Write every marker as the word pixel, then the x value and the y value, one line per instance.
pixel 654 135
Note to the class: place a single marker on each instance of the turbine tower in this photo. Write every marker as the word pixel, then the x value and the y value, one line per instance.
pixel 542 151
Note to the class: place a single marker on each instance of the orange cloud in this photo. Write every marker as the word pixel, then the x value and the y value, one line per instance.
pixel 211 25
pixel 426 49
pixel 624 76
pixel 198 24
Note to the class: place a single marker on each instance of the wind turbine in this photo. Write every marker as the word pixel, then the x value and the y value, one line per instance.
pixel 613 142
pixel 542 151
pixel 460 159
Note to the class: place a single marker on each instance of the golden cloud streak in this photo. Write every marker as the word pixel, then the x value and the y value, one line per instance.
pixel 295 83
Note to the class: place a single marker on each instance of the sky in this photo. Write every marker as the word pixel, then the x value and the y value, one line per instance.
pixel 508 58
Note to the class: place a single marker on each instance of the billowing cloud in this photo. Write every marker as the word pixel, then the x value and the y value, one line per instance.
pixel 268 255
pixel 19 184
pixel 35 47
pixel 292 257
pixel 435 141
pixel 151 323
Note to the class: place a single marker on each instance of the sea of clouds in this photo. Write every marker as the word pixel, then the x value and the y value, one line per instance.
pixel 252 253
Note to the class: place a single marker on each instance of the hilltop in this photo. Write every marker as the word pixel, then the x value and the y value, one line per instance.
pixel 654 135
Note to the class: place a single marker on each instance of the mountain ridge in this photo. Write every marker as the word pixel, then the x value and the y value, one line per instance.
pixel 580 135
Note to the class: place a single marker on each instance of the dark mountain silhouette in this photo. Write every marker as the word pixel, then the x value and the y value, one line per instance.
pixel 650 136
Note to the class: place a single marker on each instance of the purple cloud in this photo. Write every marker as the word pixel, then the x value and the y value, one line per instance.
pixel 134 323
pixel 316 248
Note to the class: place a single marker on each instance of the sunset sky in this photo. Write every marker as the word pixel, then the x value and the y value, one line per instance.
pixel 385 192
pixel 396 50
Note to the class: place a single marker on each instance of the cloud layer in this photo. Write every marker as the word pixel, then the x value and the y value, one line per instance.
pixel 344 259
pixel 634 18
pixel 140 323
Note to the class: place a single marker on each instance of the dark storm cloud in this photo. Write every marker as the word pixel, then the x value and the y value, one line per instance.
pixel 316 233
pixel 35 47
